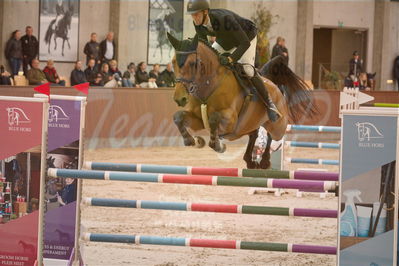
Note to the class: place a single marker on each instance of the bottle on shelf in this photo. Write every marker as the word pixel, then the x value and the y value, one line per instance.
pixel 8 189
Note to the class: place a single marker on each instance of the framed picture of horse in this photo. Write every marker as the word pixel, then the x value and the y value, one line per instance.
pixel 59 30
pixel 164 16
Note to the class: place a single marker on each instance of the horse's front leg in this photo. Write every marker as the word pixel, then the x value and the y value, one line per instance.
pixel 184 119
pixel 250 147
pixel 214 121
pixel 63 44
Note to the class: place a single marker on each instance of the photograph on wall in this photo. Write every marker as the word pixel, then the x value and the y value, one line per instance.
pixel 164 16
pixel 59 30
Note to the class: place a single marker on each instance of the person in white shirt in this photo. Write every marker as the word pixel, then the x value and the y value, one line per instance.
pixel 108 48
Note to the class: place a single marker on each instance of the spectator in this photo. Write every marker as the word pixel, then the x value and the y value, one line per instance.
pixel 113 68
pixel 355 65
pixel 30 48
pixel 91 71
pixel 5 77
pixel 92 49
pixel 280 49
pixel 154 73
pixel 106 76
pixel 129 77
pixel 52 75
pixel 167 77
pixel 142 77
pixel 98 80
pixel 35 75
pixel 396 70
pixel 13 52
pixel 108 48
pixel 77 75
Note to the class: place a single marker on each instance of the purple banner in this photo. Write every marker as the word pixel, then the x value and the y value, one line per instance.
pixel 64 123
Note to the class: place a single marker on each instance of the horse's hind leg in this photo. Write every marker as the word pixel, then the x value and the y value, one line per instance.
pixel 55 42
pixel 250 147
pixel 184 119
pixel 265 162
pixel 63 44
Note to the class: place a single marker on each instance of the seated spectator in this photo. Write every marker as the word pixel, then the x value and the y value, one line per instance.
pixel 13 52
pixel 106 76
pixel 77 75
pixel 35 75
pixel 154 73
pixel 142 77
pixel 5 77
pixel 98 80
pixel 129 77
pixel 51 74
pixel 91 71
pixel 114 71
pixel 167 77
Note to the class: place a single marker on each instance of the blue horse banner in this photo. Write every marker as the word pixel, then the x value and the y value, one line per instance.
pixel 164 16
pixel 368 222
pixel 59 30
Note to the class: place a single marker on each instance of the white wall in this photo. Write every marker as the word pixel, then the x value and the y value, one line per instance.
pixel 357 14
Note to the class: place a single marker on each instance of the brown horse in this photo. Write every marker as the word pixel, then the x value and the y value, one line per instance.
pixel 213 99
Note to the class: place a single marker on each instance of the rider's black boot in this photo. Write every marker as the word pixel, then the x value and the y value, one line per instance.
pixel 272 110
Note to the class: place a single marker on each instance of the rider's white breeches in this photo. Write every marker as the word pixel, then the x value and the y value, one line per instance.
pixel 248 58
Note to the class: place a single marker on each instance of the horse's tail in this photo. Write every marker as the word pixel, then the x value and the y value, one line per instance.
pixel 49 32
pixel 299 99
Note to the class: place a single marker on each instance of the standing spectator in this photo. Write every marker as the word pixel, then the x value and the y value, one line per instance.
pixel 396 70
pixel 92 49
pixel 5 77
pixel 91 71
pixel 142 77
pixel 13 52
pixel 129 79
pixel 30 48
pixel 280 49
pixel 52 75
pixel 108 48
pixel 77 75
pixel 35 75
pixel 167 77
pixel 355 65
pixel 154 74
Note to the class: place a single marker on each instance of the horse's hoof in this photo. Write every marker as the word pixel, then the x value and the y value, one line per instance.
pixel 222 148
pixel 199 142
pixel 189 141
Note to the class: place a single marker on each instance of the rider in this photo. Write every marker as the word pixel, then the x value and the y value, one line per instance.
pixel 234 35
pixel 59 8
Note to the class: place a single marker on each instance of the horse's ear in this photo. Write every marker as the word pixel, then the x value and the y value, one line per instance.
pixel 375 73
pixel 194 42
pixel 175 42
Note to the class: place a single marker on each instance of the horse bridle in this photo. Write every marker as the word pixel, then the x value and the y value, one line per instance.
pixel 190 84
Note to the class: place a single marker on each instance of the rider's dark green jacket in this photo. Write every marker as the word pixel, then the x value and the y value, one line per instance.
pixel 230 30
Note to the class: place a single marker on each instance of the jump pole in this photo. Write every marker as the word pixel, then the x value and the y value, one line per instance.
pixel 235 172
pixel 210 243
pixel 207 207
pixel 193 179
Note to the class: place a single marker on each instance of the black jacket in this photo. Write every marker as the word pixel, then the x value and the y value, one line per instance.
pixel 92 51
pixel 141 76
pixel 103 49
pixel 396 68
pixel 30 46
pixel 359 67
pixel 230 30
pixel 167 79
pixel 13 49
pixel 91 74
pixel 77 77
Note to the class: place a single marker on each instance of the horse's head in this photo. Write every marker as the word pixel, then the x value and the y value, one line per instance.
pixel 195 67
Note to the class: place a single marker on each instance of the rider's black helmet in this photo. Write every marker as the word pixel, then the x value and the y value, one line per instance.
pixel 194 6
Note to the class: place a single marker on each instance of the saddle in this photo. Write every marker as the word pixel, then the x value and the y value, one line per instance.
pixel 244 81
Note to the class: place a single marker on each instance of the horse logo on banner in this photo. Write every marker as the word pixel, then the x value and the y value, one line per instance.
pixel 16 116
pixel 367 131
pixel 56 113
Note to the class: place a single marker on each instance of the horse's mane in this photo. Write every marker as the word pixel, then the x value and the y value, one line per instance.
pixel 209 45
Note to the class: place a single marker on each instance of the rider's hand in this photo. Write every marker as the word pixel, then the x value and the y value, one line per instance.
pixel 225 60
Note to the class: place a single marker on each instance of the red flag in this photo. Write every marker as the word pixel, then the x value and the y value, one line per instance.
pixel 84 87
pixel 44 88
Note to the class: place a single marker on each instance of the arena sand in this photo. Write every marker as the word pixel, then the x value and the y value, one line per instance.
pixel 202 225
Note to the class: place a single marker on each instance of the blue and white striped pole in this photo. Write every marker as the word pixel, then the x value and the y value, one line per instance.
pixel 304 144
pixel 314 128
pixel 312 161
